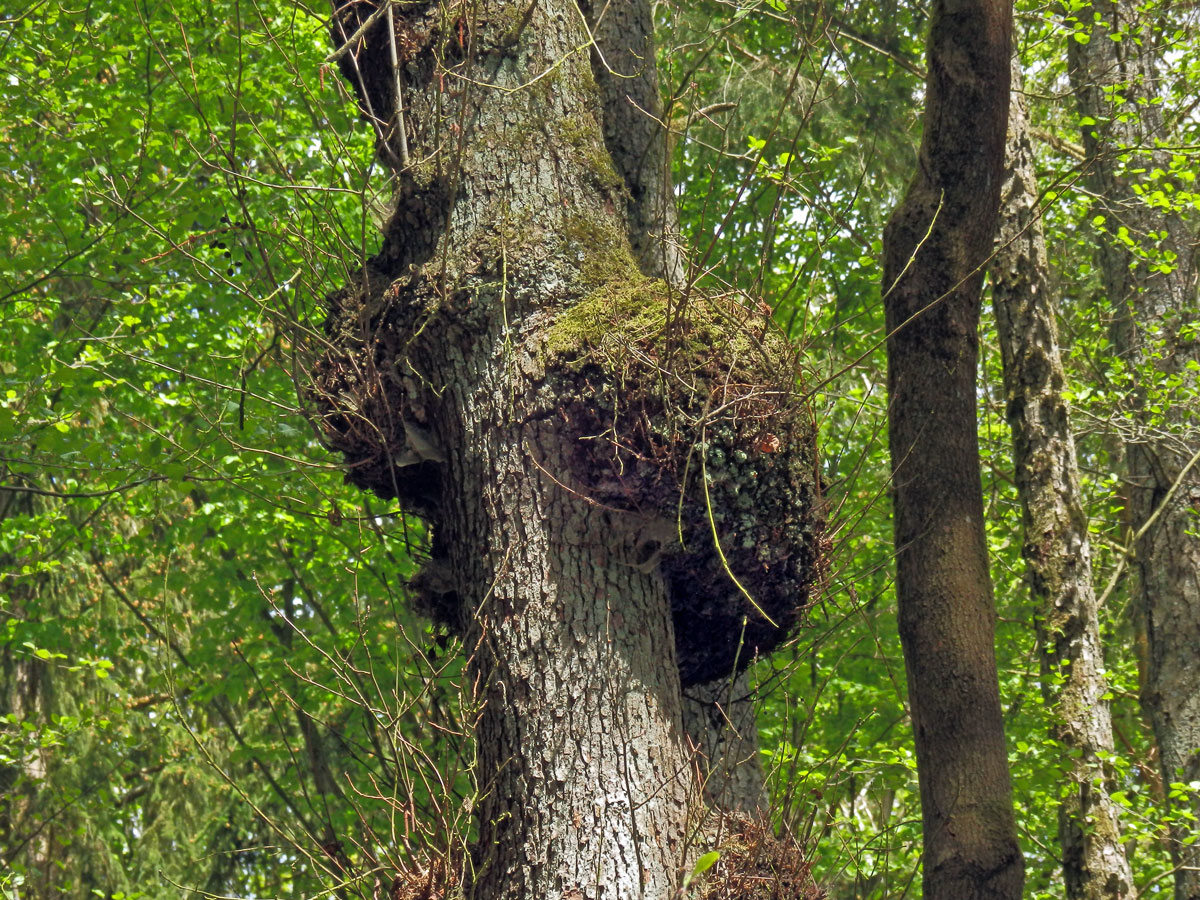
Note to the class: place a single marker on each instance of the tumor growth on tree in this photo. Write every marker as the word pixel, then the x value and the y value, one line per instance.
pixel 618 472
pixel 682 416
pixel 681 411
pixel 607 441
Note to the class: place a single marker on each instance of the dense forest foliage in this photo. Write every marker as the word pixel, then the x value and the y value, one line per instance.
pixel 212 676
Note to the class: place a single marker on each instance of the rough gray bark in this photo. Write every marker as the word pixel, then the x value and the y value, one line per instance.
pixel 590 790
pixel 935 246
pixel 1056 550
pixel 1151 311
pixel 585 775
pixel 720 723
pixel 498 368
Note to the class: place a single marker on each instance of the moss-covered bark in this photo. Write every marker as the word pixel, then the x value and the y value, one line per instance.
pixel 1056 550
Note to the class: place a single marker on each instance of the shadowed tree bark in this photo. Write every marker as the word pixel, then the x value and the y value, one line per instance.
pixel 1147 258
pixel 1056 550
pixel 25 694
pixel 722 730
pixel 935 247
pixel 620 479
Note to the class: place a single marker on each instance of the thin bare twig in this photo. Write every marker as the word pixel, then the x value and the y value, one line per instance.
pixel 399 92
pixel 359 32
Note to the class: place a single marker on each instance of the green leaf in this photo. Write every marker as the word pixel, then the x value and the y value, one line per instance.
pixel 703 864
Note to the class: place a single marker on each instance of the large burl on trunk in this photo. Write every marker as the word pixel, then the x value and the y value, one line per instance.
pixel 619 478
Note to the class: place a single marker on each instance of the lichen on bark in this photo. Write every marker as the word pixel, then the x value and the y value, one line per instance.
pixel 1056 549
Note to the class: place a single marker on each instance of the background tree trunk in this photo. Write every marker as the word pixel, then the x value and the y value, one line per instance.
pixel 935 247
pixel 25 694
pixel 1056 550
pixel 635 131
pixel 1146 256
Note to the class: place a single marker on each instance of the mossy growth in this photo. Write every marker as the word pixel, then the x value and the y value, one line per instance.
pixel 684 410
pixel 582 134
pixel 687 409
pixel 634 305
pixel 602 251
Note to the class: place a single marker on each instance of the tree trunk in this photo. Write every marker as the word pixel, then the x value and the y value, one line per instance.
pixel 935 247
pixel 498 367
pixel 26 695
pixel 1056 550
pixel 722 729
pixel 24 838
pixel 1146 258
pixel 585 776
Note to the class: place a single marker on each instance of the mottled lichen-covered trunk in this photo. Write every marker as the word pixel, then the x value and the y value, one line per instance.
pixel 507 194
pixel 1147 258
pixel 504 368
pixel 935 246
pixel 1056 550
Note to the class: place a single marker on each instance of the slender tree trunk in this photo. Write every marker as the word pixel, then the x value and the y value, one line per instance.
pixel 1147 259
pixel 635 131
pixel 498 368
pixel 935 247
pixel 24 838
pixel 1056 550
pixel 26 694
